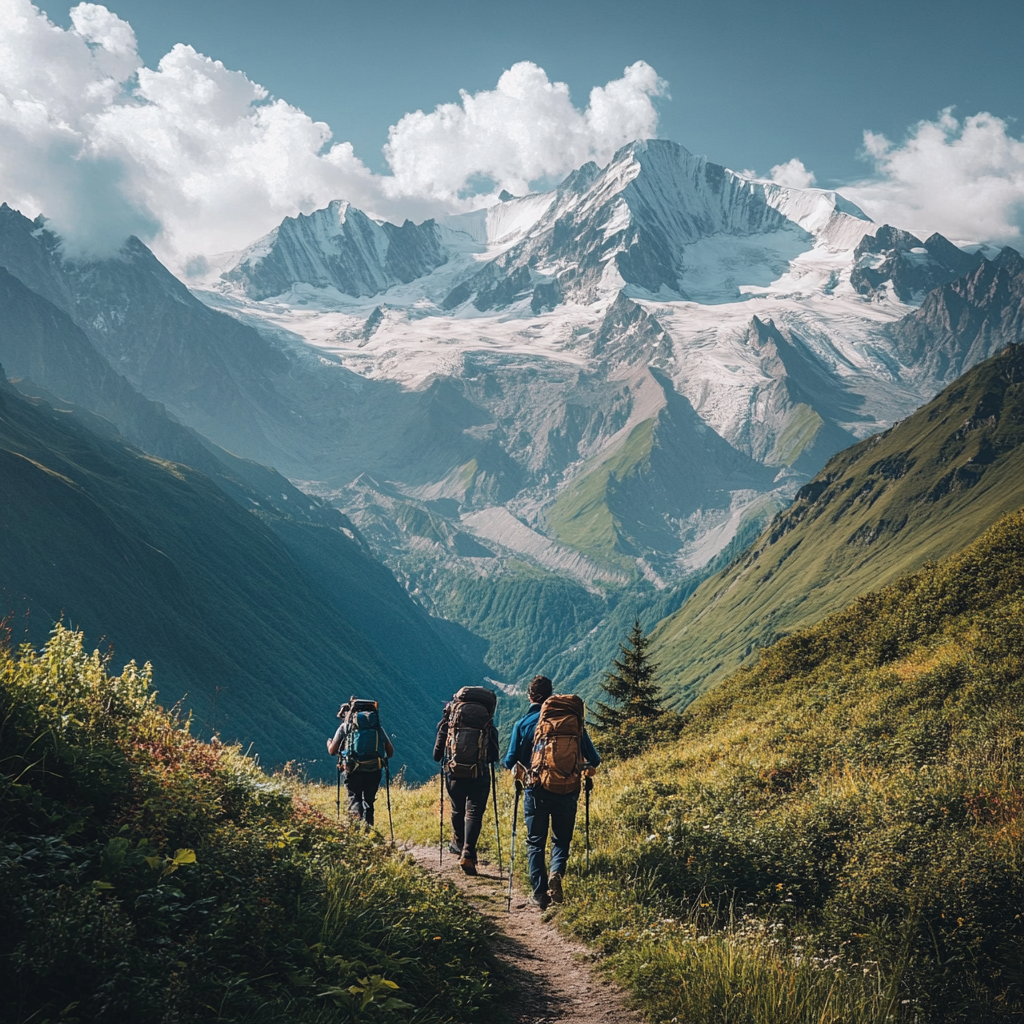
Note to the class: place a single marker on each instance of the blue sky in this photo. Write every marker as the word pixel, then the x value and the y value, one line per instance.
pixel 199 124
pixel 752 84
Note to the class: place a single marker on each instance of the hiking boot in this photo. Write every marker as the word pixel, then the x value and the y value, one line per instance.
pixel 454 847
pixel 541 899
pixel 468 864
pixel 555 888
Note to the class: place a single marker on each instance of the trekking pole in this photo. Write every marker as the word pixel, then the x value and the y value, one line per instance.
pixel 337 795
pixel 387 788
pixel 512 852
pixel 440 830
pixel 497 829
pixel 587 787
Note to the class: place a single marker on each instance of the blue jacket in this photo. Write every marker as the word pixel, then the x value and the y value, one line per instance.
pixel 521 746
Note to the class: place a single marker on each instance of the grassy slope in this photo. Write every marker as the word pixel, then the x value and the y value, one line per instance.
pixel 154 557
pixel 146 876
pixel 838 834
pixel 884 507
pixel 581 517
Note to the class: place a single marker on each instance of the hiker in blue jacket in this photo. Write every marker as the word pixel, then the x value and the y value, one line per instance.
pixel 541 806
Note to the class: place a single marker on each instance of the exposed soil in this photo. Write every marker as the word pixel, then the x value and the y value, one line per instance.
pixel 556 982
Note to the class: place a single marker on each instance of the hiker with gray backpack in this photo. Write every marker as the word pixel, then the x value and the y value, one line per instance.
pixel 550 754
pixel 363 750
pixel 467 747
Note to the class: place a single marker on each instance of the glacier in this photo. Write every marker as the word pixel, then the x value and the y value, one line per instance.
pixel 612 382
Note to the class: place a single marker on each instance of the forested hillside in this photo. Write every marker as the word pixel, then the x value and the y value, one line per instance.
pixel 260 623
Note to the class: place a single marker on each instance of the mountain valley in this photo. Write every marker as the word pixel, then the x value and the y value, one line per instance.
pixel 585 400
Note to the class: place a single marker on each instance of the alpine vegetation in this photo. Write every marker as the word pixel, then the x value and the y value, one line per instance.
pixel 637 713
pixel 838 832
pixel 147 876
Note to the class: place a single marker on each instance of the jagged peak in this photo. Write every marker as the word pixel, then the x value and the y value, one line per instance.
pixel 1009 258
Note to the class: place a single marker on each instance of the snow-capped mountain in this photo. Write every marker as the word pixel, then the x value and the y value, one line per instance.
pixel 609 383
pixel 571 323
pixel 338 247
pixel 648 223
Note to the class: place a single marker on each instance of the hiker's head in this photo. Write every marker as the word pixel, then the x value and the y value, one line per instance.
pixel 540 689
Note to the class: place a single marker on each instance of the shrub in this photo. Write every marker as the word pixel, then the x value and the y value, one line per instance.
pixel 146 876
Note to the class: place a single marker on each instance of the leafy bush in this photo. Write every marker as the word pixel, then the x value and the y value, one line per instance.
pixel 146 876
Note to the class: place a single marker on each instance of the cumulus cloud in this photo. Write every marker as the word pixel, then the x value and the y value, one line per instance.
pixel 525 129
pixel 191 156
pixel 964 179
pixel 51 83
pixel 792 174
pixel 197 158
pixel 215 161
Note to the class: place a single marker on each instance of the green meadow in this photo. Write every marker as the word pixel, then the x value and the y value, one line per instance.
pixel 837 834
pixel 147 876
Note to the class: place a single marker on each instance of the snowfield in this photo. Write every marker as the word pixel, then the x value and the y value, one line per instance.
pixel 661 267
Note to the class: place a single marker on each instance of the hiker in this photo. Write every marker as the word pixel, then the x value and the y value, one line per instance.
pixel 467 747
pixel 551 795
pixel 364 747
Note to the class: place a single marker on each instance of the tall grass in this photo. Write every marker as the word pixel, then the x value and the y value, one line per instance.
pixel 146 876
pixel 838 833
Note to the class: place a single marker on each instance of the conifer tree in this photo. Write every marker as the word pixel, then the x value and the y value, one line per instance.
pixel 631 685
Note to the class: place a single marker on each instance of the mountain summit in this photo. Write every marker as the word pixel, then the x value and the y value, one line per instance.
pixel 596 391
pixel 338 247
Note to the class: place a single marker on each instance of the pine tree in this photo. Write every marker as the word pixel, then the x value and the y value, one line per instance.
pixel 637 697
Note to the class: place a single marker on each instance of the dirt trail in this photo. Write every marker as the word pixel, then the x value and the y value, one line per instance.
pixel 557 985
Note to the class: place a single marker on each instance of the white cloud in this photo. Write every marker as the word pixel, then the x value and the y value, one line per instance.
pixel 793 174
pixel 523 130
pixel 51 82
pixel 196 158
pixel 215 161
pixel 964 179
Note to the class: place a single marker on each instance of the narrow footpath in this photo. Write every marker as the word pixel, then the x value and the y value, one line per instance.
pixel 557 984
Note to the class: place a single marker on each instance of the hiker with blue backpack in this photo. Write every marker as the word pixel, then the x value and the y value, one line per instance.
pixel 363 750
pixel 467 747
pixel 550 754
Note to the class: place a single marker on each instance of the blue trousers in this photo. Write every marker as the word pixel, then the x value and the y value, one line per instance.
pixel 541 808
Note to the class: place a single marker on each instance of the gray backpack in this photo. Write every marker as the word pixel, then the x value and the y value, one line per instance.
pixel 470 719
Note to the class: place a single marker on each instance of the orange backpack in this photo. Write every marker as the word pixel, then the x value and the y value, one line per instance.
pixel 556 763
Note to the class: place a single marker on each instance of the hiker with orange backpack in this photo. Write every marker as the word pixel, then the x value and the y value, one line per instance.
pixel 551 752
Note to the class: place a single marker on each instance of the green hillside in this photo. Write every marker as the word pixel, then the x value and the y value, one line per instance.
pixel 262 625
pixel 636 499
pixel 148 877
pixel 581 516
pixel 886 506
pixel 837 836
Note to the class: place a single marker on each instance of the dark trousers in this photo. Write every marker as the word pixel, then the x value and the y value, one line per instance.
pixel 541 808
pixel 469 802
pixel 362 791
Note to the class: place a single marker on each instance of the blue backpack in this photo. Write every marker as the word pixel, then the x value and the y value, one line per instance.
pixel 363 748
